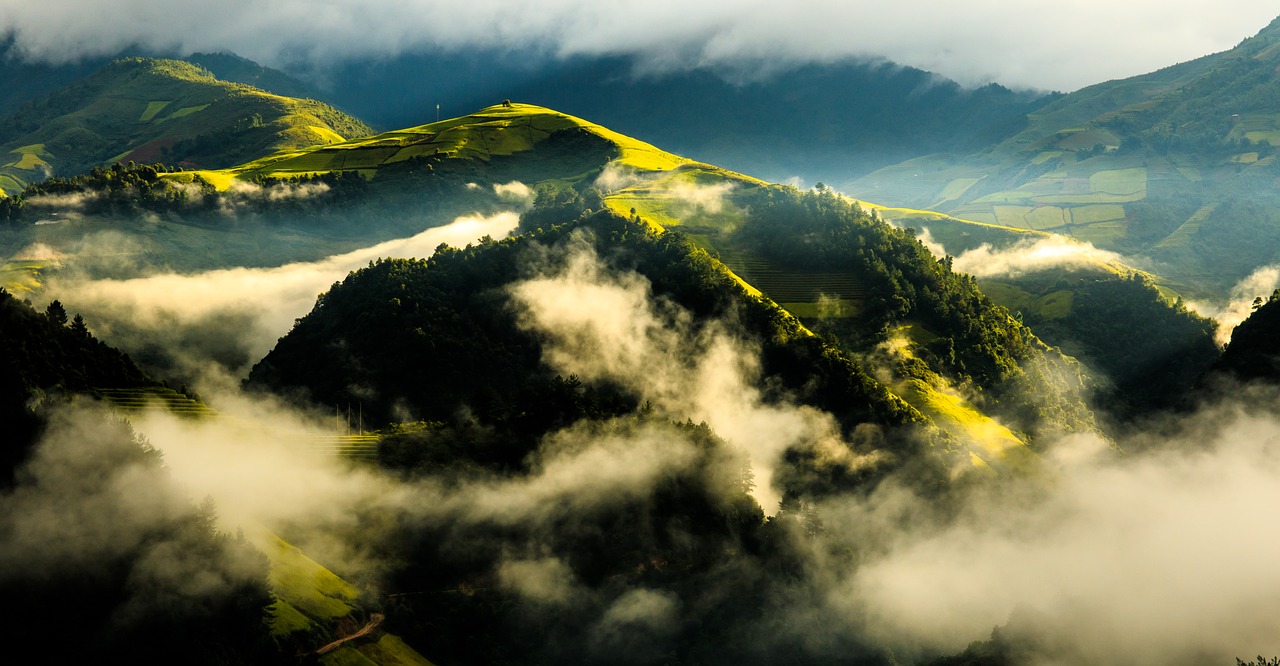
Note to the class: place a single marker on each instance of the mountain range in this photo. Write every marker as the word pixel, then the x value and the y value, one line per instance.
pixel 650 408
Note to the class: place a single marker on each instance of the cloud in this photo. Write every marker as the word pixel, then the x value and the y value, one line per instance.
pixel 90 502
pixel 607 326
pixel 1239 305
pixel 614 177
pixel 515 192
pixel 234 316
pixel 1158 557
pixel 1019 44
pixel 1055 252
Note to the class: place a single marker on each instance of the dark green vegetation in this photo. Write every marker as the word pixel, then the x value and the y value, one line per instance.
pixel 437 336
pixel 437 339
pixel 149 110
pixel 1176 166
pixel 1254 350
pixel 1146 351
pixel 163 587
pixel 974 342
pixel 48 358
pixel 83 591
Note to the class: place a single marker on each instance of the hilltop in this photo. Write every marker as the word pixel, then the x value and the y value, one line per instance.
pixel 152 110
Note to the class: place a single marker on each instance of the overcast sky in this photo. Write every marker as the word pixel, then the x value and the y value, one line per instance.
pixel 1059 45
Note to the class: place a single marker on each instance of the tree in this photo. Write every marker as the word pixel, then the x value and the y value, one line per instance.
pixel 57 313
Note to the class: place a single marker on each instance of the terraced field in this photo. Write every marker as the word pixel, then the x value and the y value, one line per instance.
pixel 805 293
pixel 135 400
pixel 344 445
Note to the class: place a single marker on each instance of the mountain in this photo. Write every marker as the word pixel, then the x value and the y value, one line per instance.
pixel 149 110
pixel 1174 168
pixel 820 122
pixel 1086 302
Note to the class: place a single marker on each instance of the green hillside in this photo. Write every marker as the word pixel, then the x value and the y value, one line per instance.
pixel 149 110
pixel 1175 166
pixel 1089 305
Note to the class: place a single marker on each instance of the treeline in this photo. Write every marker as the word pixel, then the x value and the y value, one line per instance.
pixel 131 189
pixel 45 355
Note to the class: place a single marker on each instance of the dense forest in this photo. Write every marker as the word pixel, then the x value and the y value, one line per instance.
pixel 976 343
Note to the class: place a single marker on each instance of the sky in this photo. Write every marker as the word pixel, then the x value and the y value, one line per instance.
pixel 1062 45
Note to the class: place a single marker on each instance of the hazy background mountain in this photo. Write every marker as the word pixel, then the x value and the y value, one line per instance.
pixel 1175 169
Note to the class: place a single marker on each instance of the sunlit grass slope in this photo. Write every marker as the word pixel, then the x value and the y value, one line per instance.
pixel 502 130
pixel 152 110
pixel 314 606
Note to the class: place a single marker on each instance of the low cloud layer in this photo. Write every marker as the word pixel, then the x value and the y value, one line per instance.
pixel 234 316
pixel 1050 253
pixel 1063 45
pixel 1159 557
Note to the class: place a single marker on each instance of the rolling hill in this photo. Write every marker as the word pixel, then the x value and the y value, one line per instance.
pixel 149 110
pixel 821 122
pixel 1175 167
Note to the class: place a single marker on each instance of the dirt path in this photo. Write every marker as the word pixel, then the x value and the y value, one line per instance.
pixel 374 621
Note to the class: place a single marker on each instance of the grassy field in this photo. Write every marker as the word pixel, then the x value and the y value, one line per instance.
pixel 495 131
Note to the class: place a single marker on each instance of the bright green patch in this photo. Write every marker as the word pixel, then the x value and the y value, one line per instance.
pixel 326 135
pixel 22 276
pixel 1046 156
pixel 1183 235
pixel 1102 234
pixel 347 655
pixel 1055 305
pixel 1245 158
pixel 1084 139
pixel 391 651
pixel 152 109
pixel 824 309
pixel 1010 297
pixel 1042 218
pixel 1097 213
pixel 285 619
pixel 306 585
pixel 1270 136
pixel 184 111
pixel 957 187
pixel 1012 216
pixel 1095 198
pixel 29 158
pixel 1014 196
pixel 1119 181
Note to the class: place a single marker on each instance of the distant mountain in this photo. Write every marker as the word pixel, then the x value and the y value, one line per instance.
pixel 149 110
pixel 822 122
pixel 1177 166
pixel 23 81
